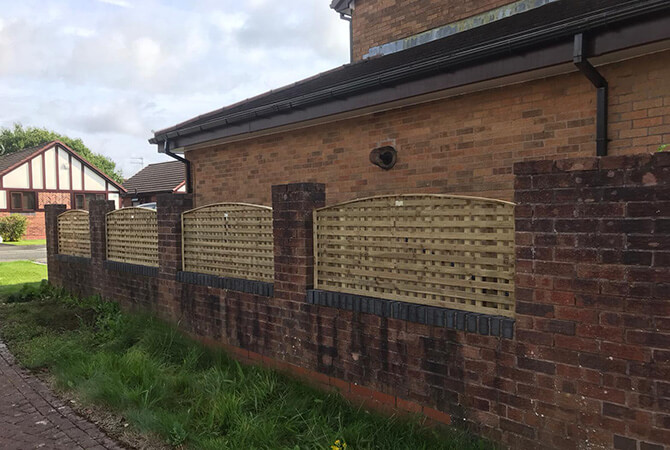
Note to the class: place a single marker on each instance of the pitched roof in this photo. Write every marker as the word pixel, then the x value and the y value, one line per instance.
pixel 565 17
pixel 158 177
pixel 12 159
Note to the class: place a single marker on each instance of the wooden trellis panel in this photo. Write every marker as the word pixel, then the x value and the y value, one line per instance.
pixel 448 251
pixel 229 240
pixel 74 236
pixel 132 236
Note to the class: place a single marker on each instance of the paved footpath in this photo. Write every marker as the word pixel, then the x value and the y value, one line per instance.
pixel 32 417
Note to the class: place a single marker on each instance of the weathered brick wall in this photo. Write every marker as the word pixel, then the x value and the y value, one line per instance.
pixel 589 361
pixel 593 303
pixel 464 145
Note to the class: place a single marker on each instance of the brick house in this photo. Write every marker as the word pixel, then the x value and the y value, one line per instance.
pixel 50 173
pixel 159 178
pixel 518 83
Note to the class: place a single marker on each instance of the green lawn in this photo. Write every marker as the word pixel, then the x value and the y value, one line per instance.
pixel 13 275
pixel 165 384
pixel 28 242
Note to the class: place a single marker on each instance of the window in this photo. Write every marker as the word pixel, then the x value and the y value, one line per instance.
pixel 22 201
pixel 82 201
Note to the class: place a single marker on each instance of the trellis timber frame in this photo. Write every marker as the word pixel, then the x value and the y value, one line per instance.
pixel 132 236
pixel 229 240
pixel 74 236
pixel 439 250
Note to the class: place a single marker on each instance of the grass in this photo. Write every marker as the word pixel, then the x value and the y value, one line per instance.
pixel 13 275
pixel 166 384
pixel 28 242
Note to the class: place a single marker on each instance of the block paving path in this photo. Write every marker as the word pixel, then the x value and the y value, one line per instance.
pixel 32 417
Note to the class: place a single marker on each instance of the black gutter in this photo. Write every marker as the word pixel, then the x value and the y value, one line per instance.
pixel 166 150
pixel 602 87
pixel 433 65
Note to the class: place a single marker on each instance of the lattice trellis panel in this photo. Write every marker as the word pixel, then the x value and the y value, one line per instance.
pixel 448 251
pixel 229 240
pixel 74 236
pixel 132 236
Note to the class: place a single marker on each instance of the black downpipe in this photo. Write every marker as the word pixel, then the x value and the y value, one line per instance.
pixel 602 87
pixel 166 149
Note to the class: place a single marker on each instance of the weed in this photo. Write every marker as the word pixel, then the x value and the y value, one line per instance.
pixel 164 383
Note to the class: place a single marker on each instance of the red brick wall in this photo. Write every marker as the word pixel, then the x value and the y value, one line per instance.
pixel 593 311
pixel 48 198
pixel 589 363
pixel 467 144
pixel 377 22
pixel 36 228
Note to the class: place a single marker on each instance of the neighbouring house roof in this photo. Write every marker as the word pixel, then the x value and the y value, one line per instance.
pixel 14 159
pixel 160 177
pixel 11 161
pixel 513 37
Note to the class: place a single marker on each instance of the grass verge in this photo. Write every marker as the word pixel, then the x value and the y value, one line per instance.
pixel 28 242
pixel 13 275
pixel 166 384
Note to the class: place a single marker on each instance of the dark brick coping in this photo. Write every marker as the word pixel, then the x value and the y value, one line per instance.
pixel 135 269
pixel 484 324
pixel 73 259
pixel 232 284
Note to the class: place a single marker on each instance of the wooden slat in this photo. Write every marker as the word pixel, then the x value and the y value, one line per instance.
pixel 74 237
pixel 229 240
pixel 132 236
pixel 439 250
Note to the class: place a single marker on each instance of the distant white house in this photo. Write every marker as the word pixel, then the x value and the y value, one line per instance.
pixel 50 173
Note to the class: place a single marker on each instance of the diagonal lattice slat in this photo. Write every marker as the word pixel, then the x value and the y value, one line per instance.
pixel 132 236
pixel 438 250
pixel 74 237
pixel 229 240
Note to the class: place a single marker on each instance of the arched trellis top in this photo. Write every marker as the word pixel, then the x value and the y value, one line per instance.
pixel 224 205
pixel 425 196
pixel 130 210
pixel 74 237
pixel 441 250
pixel 73 212
pixel 233 240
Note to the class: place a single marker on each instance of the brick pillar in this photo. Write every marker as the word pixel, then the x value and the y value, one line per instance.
pixel 293 206
pixel 169 210
pixel 592 309
pixel 51 213
pixel 97 216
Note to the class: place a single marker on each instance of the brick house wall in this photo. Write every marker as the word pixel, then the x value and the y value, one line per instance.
pixel 35 229
pixel 466 144
pixel 377 22
pixel 587 365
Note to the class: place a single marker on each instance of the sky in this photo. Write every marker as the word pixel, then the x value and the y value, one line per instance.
pixel 111 71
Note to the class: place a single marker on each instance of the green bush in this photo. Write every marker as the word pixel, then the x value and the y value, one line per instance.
pixel 13 227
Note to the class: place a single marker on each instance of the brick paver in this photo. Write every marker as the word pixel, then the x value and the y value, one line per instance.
pixel 32 417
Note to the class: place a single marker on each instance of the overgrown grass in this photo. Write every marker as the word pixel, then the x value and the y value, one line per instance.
pixel 28 242
pixel 165 383
pixel 13 275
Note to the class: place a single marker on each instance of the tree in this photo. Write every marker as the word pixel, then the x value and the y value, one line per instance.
pixel 17 138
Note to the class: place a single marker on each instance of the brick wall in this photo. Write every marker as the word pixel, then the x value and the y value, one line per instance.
pixel 465 144
pixel 593 316
pixel 377 22
pixel 587 365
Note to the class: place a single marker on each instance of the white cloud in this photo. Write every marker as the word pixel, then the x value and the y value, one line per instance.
pixel 121 3
pixel 111 75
